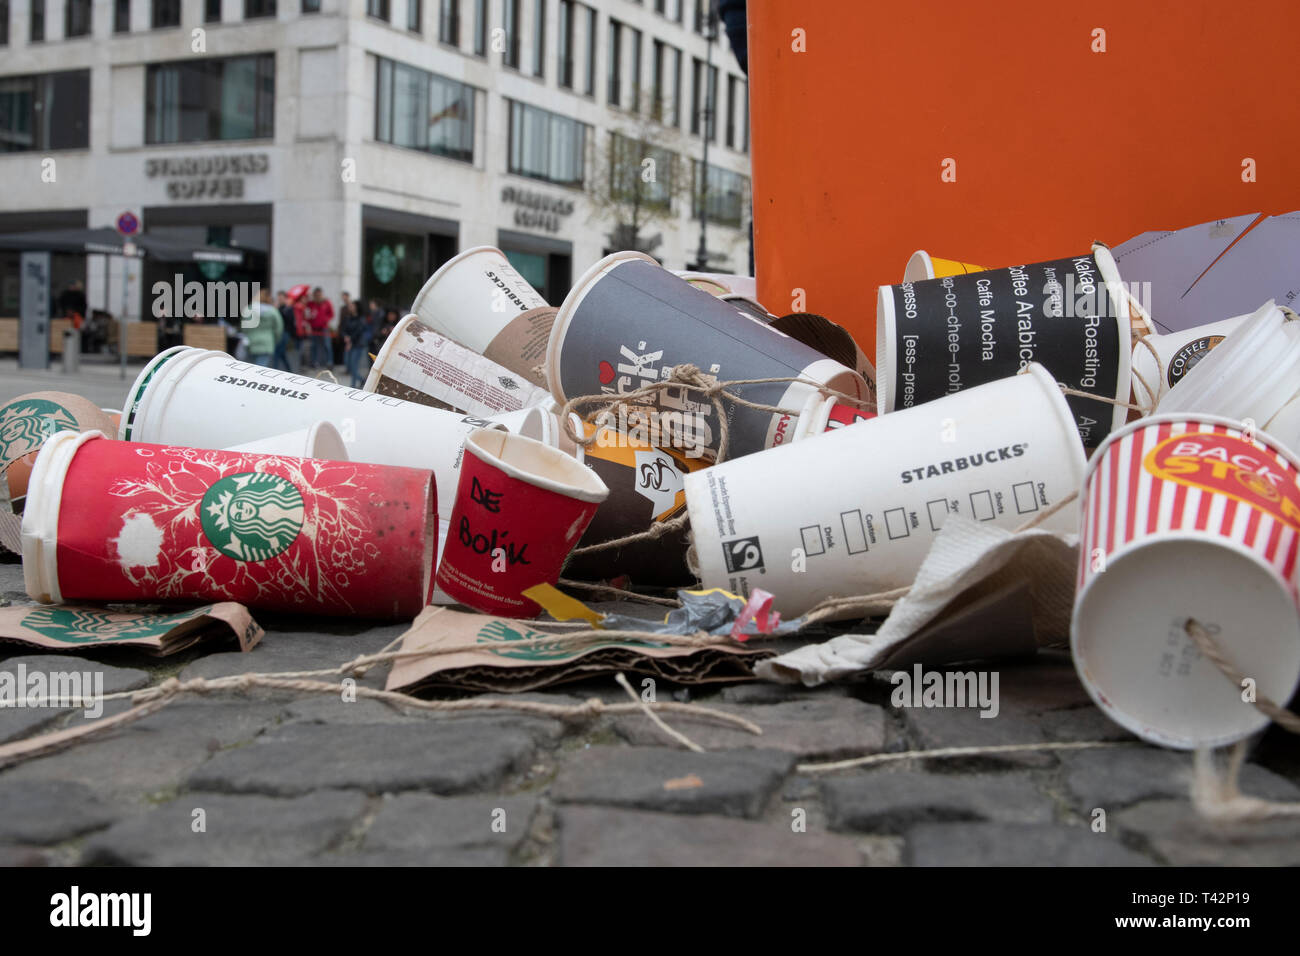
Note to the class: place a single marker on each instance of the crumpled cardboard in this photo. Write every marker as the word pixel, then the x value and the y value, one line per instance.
pixel 498 667
pixel 982 592
pixel 69 627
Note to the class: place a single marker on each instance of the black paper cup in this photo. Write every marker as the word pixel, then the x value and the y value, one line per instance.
pixel 939 336
pixel 628 321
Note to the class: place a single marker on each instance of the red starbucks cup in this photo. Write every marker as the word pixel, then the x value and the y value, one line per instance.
pixel 521 507
pixel 122 521
pixel 1187 517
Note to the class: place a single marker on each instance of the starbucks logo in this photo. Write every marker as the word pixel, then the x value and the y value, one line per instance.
pixel 251 516
pixel 384 264
pixel 25 424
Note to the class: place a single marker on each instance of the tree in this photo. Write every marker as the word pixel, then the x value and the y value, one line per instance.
pixel 636 180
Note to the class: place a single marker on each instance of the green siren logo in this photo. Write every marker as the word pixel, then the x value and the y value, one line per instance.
pixel 26 424
pixel 80 626
pixel 251 516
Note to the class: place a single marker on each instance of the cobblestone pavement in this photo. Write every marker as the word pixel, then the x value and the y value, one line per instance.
pixel 317 781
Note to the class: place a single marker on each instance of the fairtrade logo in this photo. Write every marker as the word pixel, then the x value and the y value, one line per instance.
pixel 1227 465
pixel 742 554
pixel 1185 358
pixel 251 516
pixel 25 425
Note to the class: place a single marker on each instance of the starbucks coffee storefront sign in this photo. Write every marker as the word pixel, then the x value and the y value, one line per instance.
pixel 535 210
pixel 207 177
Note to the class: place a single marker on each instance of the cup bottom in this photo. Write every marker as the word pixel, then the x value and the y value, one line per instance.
pixel 1146 673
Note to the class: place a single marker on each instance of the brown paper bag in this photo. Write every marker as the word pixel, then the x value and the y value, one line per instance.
pixel 499 667
pixel 68 627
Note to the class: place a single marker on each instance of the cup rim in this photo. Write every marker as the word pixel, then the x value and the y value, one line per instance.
pixel 595 489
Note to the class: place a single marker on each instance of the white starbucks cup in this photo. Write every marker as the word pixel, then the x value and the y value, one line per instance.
pixel 321 440
pixel 939 336
pixel 627 321
pixel 481 301
pixel 1187 518
pixel 854 510
pixel 206 399
pixel 1179 352
pixel 419 365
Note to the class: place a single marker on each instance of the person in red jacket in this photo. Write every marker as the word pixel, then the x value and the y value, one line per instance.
pixel 320 314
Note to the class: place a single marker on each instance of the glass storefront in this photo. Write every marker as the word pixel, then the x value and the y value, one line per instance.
pixel 399 252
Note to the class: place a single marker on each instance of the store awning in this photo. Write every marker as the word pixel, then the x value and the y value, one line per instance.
pixel 108 241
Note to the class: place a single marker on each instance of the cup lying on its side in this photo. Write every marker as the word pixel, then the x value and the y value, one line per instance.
pixel 321 440
pixel 855 509
pixel 628 320
pixel 521 507
pixel 939 336
pixel 126 521
pixel 419 365
pixel 1177 354
pixel 922 265
pixel 1187 518
pixel 481 301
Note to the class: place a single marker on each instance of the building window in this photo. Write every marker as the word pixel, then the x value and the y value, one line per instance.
pixel 166 13
pixel 726 196
pixel 614 77
pixel 627 158
pixel 311 6
pixel 211 11
pixel 564 44
pixel 254 9
pixel 657 80
pixel 539 37
pixel 591 52
pixel 449 22
pixel 425 111
pixel 510 21
pixel 704 101
pixel 377 9
pixel 45 112
pixel 676 113
pixel 635 104
pixel 414 16
pixel 697 93
pixel 546 145
pixel 701 16
pixel 37 32
pixel 76 18
pixel 480 27
pixel 4 22
pixel 206 100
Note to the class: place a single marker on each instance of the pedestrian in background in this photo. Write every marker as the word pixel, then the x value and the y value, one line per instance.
pixel 357 330
pixel 319 315
pixel 289 337
pixel 263 328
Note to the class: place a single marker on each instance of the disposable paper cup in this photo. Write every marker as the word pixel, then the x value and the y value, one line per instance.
pixel 1179 353
pixel 481 301
pixel 627 321
pixel 521 506
pixel 206 399
pixel 321 440
pixel 1184 517
pixel 646 486
pixel 854 510
pixel 124 521
pixel 940 336
pixel 924 266
pixel 25 422
pixel 419 365
pixel 722 284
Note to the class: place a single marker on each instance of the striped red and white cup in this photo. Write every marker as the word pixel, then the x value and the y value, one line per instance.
pixel 1188 518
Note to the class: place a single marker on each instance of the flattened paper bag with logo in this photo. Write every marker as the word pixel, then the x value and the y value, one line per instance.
pixel 495 666
pixel 68 627
pixel 114 521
